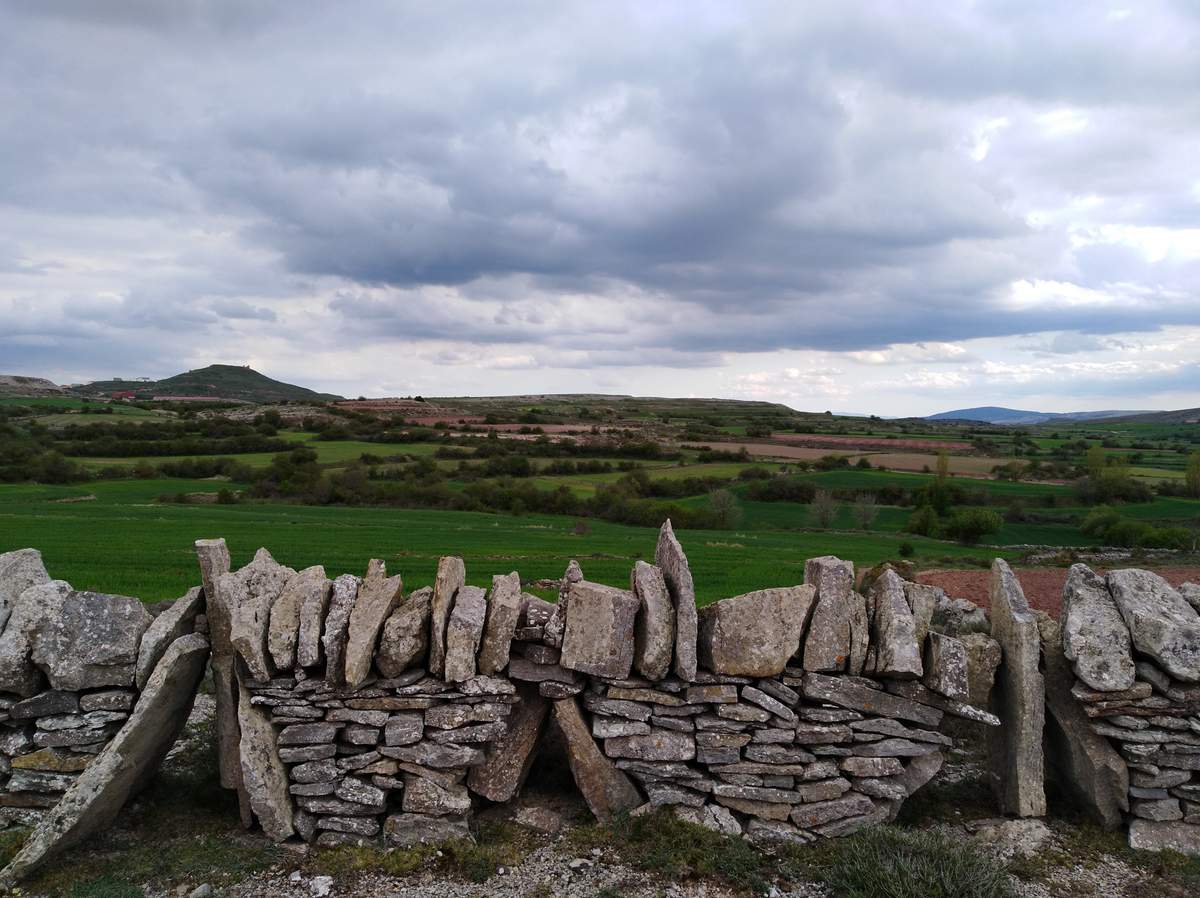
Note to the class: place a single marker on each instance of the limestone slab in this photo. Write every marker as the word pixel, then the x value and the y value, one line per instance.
pixel 378 596
pixel 755 634
pixel 669 557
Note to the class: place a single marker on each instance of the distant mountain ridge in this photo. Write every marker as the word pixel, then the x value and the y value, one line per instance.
pixel 995 414
pixel 233 382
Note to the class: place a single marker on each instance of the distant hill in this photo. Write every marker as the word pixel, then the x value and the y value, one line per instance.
pixel 19 385
pixel 216 381
pixel 1179 416
pixel 994 414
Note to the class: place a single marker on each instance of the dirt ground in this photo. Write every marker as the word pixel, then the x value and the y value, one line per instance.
pixel 1043 585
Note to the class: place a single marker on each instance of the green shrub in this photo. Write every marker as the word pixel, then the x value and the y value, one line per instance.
pixel 970 525
pixel 885 862
pixel 907 549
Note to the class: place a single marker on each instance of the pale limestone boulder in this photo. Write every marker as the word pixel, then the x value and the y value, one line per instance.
pixel 33 607
pixel 424 796
pixel 464 630
pixel 923 601
pixel 946 668
pixel 405 830
pixel 983 658
pixel 754 635
pixel 124 765
pixel 598 638
pixel 306 589
pixel 405 638
pixel 313 608
pixel 1191 594
pixel 451 576
pixel 19 570
pixel 838 618
pixel 1015 748
pixel 509 758
pixel 654 630
pixel 264 775
pixel 378 596
pixel 1154 835
pixel 1095 638
pixel 249 594
pixel 91 642
pixel 894 632
pixel 503 610
pixel 669 557
pixel 214 561
pixel 607 790
pixel 1161 623
pixel 336 630
pixel 178 620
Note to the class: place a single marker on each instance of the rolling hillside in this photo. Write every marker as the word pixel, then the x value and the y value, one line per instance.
pixel 218 381
pixel 994 414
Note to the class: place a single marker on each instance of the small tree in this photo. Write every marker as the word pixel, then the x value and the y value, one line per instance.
pixel 970 525
pixel 865 510
pixel 726 511
pixel 1192 475
pixel 824 508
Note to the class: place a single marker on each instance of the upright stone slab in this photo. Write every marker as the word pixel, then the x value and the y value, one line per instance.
pixel 894 632
pixel 264 776
pixel 503 610
pixel 125 764
pixel 754 635
pixel 337 628
pixel 306 589
pixel 31 610
pixel 451 575
pixel 1086 764
pixel 19 570
pixel 1015 748
pixel 607 790
pixel 654 630
pixel 178 620
pixel 463 633
pixel 313 607
pixel 983 658
pixel 250 592
pixel 668 555
pixel 405 638
pixel 946 669
pixel 213 557
pixel 827 647
pixel 509 758
pixel 552 632
pixel 598 638
pixel 923 601
pixel 1161 623
pixel 378 596
pixel 1095 638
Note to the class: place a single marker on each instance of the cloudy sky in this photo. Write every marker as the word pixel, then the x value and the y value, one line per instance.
pixel 880 207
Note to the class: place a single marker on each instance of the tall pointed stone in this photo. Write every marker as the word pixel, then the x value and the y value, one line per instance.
pixel 503 610
pixel 451 575
pixel 464 630
pixel 838 623
pixel 250 592
pixel 668 555
pixel 1015 747
pixel 894 632
pixel 213 556
pixel 337 628
pixel 654 631
pixel 378 596
pixel 306 588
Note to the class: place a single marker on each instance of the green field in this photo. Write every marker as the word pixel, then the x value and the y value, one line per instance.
pixel 123 541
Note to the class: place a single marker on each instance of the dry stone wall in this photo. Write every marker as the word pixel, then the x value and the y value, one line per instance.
pixel 783 714
pixel 1133 644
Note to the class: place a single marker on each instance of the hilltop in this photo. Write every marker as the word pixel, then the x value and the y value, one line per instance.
pixel 994 414
pixel 19 385
pixel 232 382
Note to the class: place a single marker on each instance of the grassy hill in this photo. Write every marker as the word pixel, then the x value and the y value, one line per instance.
pixel 1179 416
pixel 217 381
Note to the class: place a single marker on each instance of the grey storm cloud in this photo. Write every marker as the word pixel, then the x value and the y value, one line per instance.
pixel 605 179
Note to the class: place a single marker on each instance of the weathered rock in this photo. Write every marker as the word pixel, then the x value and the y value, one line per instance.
pixel 92 641
pixel 945 666
pixel 1161 624
pixel 378 595
pixel 754 634
pixel 607 790
pixel 552 630
pixel 503 611
pixel 311 622
pixel 337 628
pixel 124 765
pixel 249 594
pixel 598 638
pixel 404 830
pixel 509 758
pixel 176 621
pixel 214 561
pixel 657 745
pixel 808 816
pixel 1087 765
pixel 19 570
pixel 1015 749
pixel 848 693
pixel 669 557
pixel 1095 637
pixel 838 617
pixel 983 658
pixel 430 754
pixel 304 592
pixel 463 633
pixel 654 632
pixel 1151 835
pixel 922 600
pixel 405 637
pixel 264 777
pixel 893 630
pixel 33 607
pixel 451 576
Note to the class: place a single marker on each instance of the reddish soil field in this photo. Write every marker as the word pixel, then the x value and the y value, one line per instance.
pixel 873 444
pixel 1042 585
